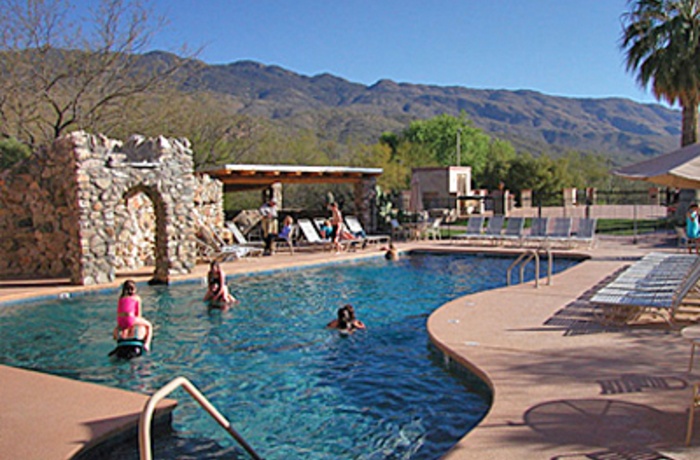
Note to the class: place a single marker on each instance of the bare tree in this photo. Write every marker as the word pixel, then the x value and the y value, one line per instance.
pixel 64 68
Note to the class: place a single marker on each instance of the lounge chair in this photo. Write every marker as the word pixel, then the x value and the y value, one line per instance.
pixel 493 229
pixel 560 232
pixel 514 231
pixel 538 230
pixel 211 246
pixel 311 236
pixel 241 240
pixel 355 227
pixel 475 228
pixel 656 285
pixel 585 232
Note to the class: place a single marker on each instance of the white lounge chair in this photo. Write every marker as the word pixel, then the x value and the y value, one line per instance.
pixel 656 284
pixel 211 246
pixel 243 241
pixel 355 227
pixel 311 236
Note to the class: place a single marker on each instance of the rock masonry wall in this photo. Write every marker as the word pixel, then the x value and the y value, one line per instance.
pixel 90 205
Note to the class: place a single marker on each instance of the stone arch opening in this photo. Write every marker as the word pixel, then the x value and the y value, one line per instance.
pixel 140 229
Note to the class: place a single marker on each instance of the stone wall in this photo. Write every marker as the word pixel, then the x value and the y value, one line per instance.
pixel 66 211
pixel 38 208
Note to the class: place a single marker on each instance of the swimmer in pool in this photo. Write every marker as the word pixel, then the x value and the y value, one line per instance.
pixel 129 316
pixel 346 321
pixel 217 291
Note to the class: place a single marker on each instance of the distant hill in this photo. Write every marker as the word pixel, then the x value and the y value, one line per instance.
pixel 621 129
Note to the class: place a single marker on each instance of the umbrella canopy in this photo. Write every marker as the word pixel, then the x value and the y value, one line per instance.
pixel 679 169
pixel 416 199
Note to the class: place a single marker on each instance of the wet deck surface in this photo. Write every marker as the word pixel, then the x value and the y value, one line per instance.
pixel 564 386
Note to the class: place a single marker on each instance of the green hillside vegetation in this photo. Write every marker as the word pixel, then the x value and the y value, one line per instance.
pixel 249 113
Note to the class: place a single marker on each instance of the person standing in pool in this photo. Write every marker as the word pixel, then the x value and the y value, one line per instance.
pixel 346 320
pixel 129 316
pixel 217 291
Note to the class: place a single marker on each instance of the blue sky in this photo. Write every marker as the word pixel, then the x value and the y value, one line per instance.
pixel 557 47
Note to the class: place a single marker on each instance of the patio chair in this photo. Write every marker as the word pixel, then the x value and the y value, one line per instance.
pixel 433 232
pixel 514 231
pixel 475 228
pixel 398 231
pixel 655 285
pixel 355 227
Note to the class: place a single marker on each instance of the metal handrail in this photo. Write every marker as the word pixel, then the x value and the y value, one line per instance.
pixel 146 418
pixel 524 258
pixel 513 265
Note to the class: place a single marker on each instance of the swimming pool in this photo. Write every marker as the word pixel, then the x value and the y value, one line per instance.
pixel 292 388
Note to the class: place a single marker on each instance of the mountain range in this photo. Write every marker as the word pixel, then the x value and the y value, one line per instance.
pixel 337 109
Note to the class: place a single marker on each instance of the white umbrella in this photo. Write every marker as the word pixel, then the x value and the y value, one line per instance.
pixel 415 203
pixel 679 169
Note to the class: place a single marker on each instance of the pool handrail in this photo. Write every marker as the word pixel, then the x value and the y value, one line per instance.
pixel 145 452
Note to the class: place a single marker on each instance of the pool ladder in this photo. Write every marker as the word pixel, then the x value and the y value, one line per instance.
pixel 524 259
pixel 145 451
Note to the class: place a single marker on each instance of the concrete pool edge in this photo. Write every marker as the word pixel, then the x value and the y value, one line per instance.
pixel 50 417
pixel 479 443
pixel 533 367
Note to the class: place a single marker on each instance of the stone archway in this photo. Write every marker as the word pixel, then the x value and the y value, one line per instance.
pixel 109 172
pixel 62 211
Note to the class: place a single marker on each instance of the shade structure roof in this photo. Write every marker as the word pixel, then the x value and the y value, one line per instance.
pixel 679 168
pixel 246 177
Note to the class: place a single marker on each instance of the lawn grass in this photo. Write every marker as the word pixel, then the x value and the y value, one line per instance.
pixel 621 227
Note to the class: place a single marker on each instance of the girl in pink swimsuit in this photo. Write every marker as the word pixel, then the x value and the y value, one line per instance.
pixel 129 316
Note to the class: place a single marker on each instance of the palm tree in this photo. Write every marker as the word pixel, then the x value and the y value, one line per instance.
pixel 661 39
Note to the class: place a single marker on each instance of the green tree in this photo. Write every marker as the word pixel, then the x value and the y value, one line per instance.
pixel 501 155
pixel 661 39
pixel 435 140
pixel 543 175
pixel 12 152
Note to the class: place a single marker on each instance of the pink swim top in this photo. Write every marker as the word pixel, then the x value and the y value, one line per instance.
pixel 127 310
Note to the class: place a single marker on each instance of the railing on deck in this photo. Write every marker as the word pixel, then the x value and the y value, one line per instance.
pixel 147 416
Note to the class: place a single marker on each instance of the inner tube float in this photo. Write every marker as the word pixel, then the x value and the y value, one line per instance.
pixel 128 349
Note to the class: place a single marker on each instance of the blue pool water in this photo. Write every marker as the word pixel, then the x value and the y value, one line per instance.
pixel 292 388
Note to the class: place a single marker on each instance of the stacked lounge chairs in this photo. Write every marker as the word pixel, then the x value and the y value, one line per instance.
pixel 656 285
pixel 544 232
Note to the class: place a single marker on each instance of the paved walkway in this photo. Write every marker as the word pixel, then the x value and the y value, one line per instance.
pixel 564 387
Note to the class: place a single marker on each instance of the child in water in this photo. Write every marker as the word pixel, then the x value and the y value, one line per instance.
pixel 129 317
pixel 346 321
pixel 217 291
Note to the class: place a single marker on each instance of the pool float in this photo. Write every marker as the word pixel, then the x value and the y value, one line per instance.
pixel 218 304
pixel 128 349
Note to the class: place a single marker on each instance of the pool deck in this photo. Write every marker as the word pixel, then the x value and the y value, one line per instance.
pixel 564 387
